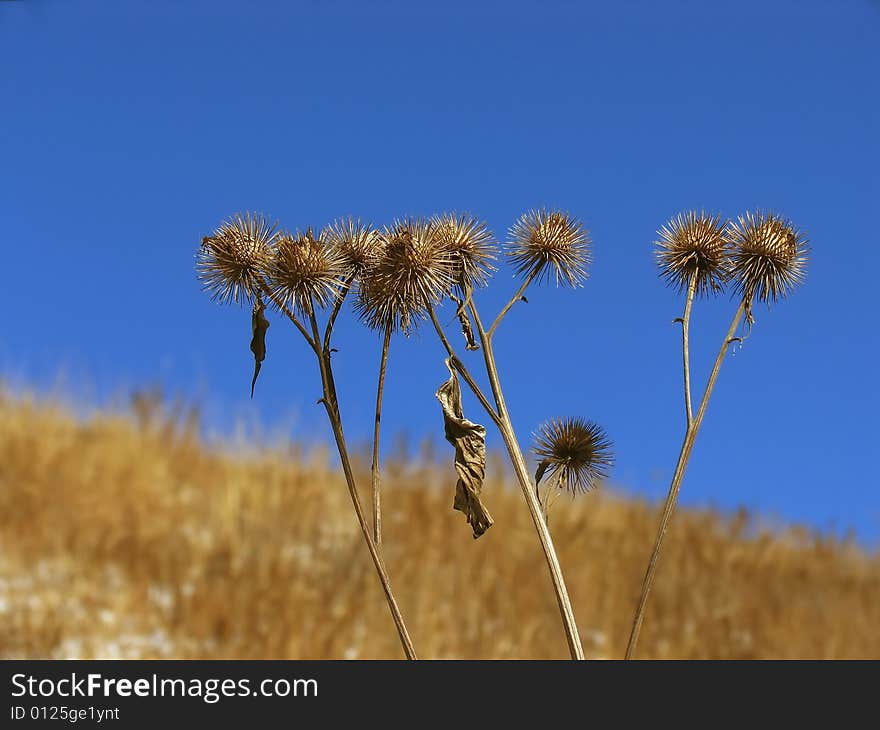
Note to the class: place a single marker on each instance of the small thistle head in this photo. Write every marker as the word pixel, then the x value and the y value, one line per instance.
pixel 231 261
pixel 358 245
pixel 550 242
pixel 693 245
pixel 412 272
pixel 769 256
pixel 577 452
pixel 471 245
pixel 304 270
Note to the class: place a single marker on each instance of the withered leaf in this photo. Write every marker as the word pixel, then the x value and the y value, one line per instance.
pixel 469 440
pixel 539 472
pixel 465 321
pixel 259 325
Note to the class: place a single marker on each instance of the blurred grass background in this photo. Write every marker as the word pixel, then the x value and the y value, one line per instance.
pixel 123 534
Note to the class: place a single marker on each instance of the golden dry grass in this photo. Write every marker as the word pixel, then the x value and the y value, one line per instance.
pixel 126 536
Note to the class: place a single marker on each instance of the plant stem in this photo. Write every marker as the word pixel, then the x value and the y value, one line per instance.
pixel 671 498
pixel 685 347
pixel 328 330
pixel 462 370
pixel 331 405
pixel 374 470
pixel 519 464
pixel 513 300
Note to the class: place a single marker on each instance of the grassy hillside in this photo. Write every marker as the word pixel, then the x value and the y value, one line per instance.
pixel 124 535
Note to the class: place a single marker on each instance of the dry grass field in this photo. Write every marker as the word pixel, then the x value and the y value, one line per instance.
pixel 123 535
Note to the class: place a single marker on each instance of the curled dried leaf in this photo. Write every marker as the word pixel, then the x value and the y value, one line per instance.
pixel 469 440
pixel 259 325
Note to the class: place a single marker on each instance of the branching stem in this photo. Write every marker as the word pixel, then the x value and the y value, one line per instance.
pixel 536 511
pixel 514 299
pixel 671 498
pixel 462 370
pixel 331 405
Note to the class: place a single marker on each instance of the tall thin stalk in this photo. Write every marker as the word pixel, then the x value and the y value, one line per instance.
pixel 375 477
pixel 693 428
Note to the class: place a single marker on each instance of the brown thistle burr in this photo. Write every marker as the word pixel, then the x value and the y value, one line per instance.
pixel 577 453
pixel 357 244
pixel 305 271
pixel 768 255
pixel 549 243
pixel 471 246
pixel 231 261
pixel 412 273
pixel 692 248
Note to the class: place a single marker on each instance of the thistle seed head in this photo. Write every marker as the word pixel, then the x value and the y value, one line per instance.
pixel 543 241
pixel 693 245
pixel 769 256
pixel 577 452
pixel 232 260
pixel 305 269
pixel 471 245
pixel 358 245
pixel 412 272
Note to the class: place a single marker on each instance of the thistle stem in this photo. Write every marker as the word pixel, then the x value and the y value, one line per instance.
pixel 328 330
pixel 462 370
pixel 519 464
pixel 685 347
pixel 513 300
pixel 374 469
pixel 313 343
pixel 671 498
pixel 331 405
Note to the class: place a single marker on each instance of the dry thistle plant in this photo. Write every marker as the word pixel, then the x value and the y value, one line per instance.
pixel 763 257
pixel 301 275
pixel 543 245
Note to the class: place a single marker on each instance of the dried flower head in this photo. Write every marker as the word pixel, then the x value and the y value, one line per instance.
pixel 305 269
pixel 575 451
pixel 231 261
pixel 358 244
pixel 542 241
pixel 412 272
pixel 472 246
pixel 693 245
pixel 769 256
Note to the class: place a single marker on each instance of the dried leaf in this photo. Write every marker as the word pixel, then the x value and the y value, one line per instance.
pixel 259 325
pixel 469 440
pixel 539 472
pixel 465 322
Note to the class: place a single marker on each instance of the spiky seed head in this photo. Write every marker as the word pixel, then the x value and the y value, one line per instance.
pixel 358 244
pixel 769 256
pixel 693 245
pixel 577 452
pixel 413 272
pixel 231 261
pixel 305 269
pixel 472 246
pixel 550 242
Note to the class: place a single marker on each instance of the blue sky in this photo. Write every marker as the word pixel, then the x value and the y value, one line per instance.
pixel 129 130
